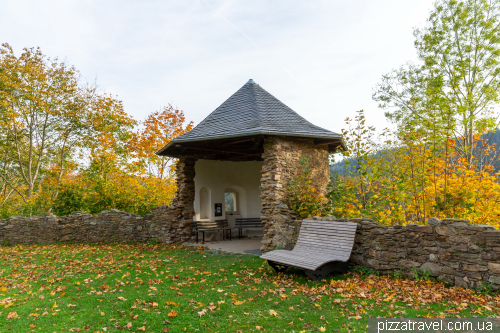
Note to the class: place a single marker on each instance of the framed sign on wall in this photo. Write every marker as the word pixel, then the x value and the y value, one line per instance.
pixel 218 209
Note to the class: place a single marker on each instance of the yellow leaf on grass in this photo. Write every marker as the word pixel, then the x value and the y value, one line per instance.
pixel 238 303
pixel 102 313
pixel 129 325
pixel 172 314
pixel 259 327
pixel 142 328
pixel 322 329
pixel 273 313
pixel 122 298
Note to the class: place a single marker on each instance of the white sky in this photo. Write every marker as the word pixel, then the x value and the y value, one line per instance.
pixel 321 58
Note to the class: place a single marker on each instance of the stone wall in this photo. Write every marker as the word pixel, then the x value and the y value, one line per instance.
pixel 108 226
pixel 452 250
pixel 165 223
pixel 282 156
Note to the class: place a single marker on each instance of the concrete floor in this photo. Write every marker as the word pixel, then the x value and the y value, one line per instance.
pixel 245 245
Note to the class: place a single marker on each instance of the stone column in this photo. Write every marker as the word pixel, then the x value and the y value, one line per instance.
pixel 183 202
pixel 282 156
pixel 175 220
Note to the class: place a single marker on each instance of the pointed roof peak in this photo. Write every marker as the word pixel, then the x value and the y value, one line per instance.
pixel 252 111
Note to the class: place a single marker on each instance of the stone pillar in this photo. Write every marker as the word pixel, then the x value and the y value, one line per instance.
pixel 179 215
pixel 282 156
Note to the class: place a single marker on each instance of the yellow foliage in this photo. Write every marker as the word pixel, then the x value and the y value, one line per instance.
pixel 408 179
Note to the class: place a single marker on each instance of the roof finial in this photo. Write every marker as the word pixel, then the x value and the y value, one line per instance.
pixel 250 81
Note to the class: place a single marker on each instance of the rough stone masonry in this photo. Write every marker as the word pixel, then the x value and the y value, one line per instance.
pixel 282 156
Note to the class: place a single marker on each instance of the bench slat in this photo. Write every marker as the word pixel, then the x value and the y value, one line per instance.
pixel 321 236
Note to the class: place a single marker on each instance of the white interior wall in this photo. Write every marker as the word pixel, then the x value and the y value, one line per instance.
pixel 214 178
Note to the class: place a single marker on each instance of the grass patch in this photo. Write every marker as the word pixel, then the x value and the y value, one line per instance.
pixel 173 288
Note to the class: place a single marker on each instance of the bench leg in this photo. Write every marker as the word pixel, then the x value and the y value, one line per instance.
pixel 327 269
pixel 279 268
pixel 203 232
pixel 197 236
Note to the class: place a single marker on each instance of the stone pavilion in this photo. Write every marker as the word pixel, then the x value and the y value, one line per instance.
pixel 237 163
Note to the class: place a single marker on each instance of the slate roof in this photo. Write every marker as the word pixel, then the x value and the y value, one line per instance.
pixel 252 111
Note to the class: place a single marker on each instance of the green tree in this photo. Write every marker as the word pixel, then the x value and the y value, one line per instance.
pixel 453 89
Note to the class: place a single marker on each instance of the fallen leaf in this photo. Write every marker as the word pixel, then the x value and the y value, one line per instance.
pixel 259 327
pixel 12 315
pixel 122 298
pixel 129 325
pixel 273 313
pixel 142 328
pixel 172 314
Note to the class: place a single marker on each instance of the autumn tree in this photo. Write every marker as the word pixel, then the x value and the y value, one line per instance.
pixel 453 89
pixel 159 128
pixel 47 117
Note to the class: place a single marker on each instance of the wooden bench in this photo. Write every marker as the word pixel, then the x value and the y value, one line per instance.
pixel 323 247
pixel 203 226
pixel 247 223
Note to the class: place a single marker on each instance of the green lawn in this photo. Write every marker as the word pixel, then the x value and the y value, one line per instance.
pixel 172 288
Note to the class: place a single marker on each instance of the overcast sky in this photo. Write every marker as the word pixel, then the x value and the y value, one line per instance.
pixel 321 58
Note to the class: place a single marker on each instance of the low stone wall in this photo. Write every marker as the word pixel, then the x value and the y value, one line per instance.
pixel 452 250
pixel 165 224
pixel 108 226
